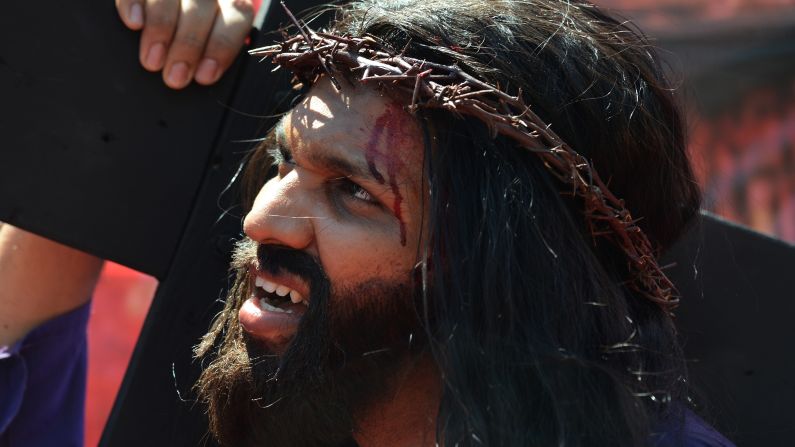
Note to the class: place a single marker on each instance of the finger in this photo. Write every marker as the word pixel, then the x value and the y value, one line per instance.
pixel 161 21
pixel 195 22
pixel 131 13
pixel 232 26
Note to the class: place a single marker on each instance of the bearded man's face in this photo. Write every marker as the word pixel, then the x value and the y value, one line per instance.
pixel 327 315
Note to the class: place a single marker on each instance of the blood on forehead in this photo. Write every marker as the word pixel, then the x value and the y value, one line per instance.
pixel 389 135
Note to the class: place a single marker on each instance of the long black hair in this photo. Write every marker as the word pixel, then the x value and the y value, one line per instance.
pixel 537 338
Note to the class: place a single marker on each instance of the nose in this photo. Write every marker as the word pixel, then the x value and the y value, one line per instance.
pixel 282 214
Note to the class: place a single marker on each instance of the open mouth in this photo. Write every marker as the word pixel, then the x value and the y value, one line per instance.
pixel 273 311
pixel 274 297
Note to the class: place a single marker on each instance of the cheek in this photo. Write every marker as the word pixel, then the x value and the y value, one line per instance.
pixel 351 254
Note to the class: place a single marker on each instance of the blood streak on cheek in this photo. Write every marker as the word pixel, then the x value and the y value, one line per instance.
pixel 393 121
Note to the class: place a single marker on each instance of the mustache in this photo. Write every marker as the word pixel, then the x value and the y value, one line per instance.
pixel 275 259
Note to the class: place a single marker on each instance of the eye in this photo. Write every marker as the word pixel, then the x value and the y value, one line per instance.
pixel 353 191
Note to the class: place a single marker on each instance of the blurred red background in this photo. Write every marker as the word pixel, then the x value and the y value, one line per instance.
pixel 742 141
pixel 121 300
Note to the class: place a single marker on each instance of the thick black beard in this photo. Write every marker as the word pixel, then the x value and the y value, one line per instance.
pixel 349 344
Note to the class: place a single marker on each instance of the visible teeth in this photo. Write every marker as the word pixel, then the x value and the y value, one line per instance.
pixel 279 290
pixel 264 284
pixel 295 297
pixel 268 286
pixel 265 305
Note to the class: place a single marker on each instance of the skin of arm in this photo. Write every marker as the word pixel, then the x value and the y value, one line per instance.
pixel 39 280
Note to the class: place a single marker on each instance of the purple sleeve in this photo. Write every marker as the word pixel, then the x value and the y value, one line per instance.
pixel 43 383
pixel 689 430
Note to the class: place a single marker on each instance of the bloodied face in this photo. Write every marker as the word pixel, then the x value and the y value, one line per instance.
pixel 328 313
pixel 347 194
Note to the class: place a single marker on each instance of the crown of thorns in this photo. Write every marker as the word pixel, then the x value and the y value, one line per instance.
pixel 310 54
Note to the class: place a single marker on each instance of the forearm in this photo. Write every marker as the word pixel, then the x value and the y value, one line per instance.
pixel 39 279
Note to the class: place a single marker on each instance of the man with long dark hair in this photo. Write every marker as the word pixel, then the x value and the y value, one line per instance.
pixel 451 239
pixel 432 256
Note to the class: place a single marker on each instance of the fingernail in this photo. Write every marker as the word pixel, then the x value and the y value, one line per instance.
pixel 136 15
pixel 155 56
pixel 207 71
pixel 178 75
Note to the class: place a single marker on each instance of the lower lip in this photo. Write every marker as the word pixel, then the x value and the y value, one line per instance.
pixel 275 329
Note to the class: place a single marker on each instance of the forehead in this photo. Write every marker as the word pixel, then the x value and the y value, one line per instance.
pixel 359 123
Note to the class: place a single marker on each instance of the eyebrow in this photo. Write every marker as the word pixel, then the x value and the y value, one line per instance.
pixel 321 158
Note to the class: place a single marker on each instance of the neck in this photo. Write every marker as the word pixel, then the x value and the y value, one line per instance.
pixel 406 416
